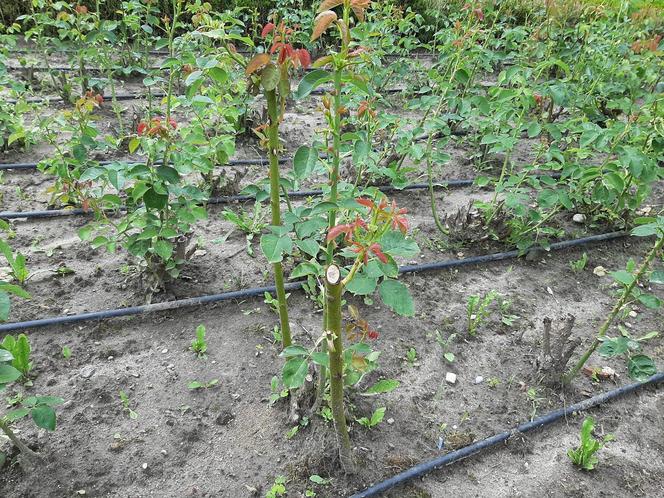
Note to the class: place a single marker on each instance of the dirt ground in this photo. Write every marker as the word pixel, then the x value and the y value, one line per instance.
pixel 229 441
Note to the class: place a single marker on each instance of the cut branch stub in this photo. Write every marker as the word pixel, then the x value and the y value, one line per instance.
pixel 556 351
pixel 333 275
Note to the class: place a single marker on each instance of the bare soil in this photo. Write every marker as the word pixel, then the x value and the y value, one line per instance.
pixel 230 441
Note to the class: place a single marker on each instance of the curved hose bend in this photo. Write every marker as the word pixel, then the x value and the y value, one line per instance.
pixel 551 417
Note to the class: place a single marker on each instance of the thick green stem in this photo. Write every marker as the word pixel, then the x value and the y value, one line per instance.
pixel 273 137
pixel 22 447
pixel 332 216
pixel 334 290
pixel 624 298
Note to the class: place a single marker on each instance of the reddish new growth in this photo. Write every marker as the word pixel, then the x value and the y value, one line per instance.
pixel 155 128
pixel 362 235
pixel 299 57
pixel 81 9
pixel 95 97
pixel 650 45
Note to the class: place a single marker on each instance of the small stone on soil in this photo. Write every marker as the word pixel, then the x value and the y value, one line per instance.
pixel 450 378
pixel 390 421
pixel 87 371
pixel 579 218
pixel 479 379
pixel 144 466
pixel 600 271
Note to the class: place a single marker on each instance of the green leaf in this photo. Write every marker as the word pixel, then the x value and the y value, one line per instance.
pixel 361 285
pixel 5 304
pixel 396 296
pixel 164 249
pixel 193 77
pixel 308 246
pixel 614 347
pixel 134 143
pixel 291 351
pixel 294 372
pixel 622 276
pixel 17 414
pixel 44 417
pixel 377 416
pixel 641 367
pixel 645 230
pixel 8 374
pixel 304 162
pixel 304 269
pixel 615 181
pixel 5 356
pixel 395 243
pixel 168 174
pixel 274 247
pixel 320 358
pixel 657 277
pixel 650 301
pixel 534 129
pixel 154 200
pixel 269 77
pixel 311 81
pixel 382 386
pixel 219 75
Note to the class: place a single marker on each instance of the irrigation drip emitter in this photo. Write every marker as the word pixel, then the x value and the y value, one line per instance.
pixel 291 286
pixel 537 423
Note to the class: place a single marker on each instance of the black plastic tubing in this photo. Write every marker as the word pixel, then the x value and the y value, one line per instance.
pixel 233 162
pixel 39 100
pixel 544 420
pixel 58 213
pixel 291 286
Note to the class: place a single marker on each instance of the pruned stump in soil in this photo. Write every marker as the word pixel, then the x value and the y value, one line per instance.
pixel 556 351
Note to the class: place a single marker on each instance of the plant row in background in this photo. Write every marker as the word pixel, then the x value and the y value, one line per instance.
pixel 591 113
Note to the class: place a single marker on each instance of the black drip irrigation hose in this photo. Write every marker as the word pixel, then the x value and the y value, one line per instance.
pixel 40 100
pixel 259 161
pixel 57 213
pixel 128 96
pixel 291 286
pixel 539 422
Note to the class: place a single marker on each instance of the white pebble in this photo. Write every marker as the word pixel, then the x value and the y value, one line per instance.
pixel 479 379
pixel 450 378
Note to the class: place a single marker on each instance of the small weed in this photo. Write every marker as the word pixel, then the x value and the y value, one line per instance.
pixel 278 488
pixel 376 418
pixel 411 356
pixel 584 456
pixel 477 310
pixel 196 384
pixel 445 346
pixel 579 265
pixel 124 399
pixel 66 352
pixel 493 382
pixel 199 345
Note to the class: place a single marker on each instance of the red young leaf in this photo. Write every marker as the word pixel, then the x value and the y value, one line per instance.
pixel 258 62
pixel 329 4
pixel 322 22
pixel 334 232
pixel 267 29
